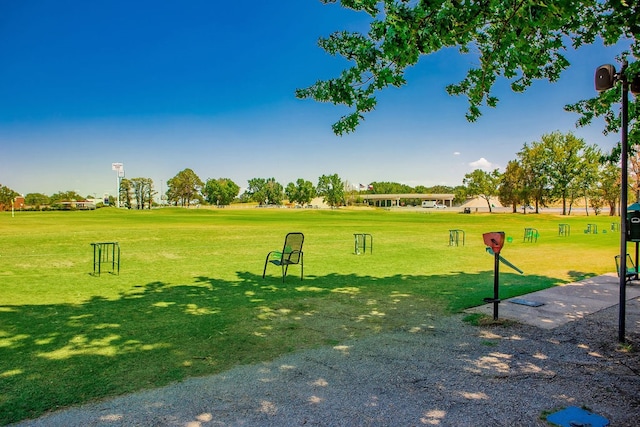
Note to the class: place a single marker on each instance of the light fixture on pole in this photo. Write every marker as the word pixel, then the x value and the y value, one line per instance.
pixel 605 79
pixel 119 168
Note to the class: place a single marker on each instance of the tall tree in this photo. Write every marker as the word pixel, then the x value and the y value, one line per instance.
pixel 511 188
pixel 143 192
pixel 302 192
pixel 274 192
pixel 563 152
pixel 520 41
pixel 634 175
pixel 221 191
pixel 482 184
pixel 265 191
pixel 256 190
pixel 126 193
pixel 331 188
pixel 184 188
pixel 36 200
pixel 610 186
pixel 535 182
pixel 6 197
pixel 589 175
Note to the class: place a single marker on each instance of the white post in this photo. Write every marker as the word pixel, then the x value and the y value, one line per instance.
pixel 118 167
pixel 117 190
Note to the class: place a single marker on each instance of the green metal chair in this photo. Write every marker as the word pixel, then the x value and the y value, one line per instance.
pixel 632 269
pixel 291 254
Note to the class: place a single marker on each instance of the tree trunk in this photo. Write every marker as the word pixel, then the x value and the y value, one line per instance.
pixel 586 205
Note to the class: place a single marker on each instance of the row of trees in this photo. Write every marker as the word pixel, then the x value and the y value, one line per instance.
pixel 37 200
pixel 187 188
pixel 558 168
pixel 137 192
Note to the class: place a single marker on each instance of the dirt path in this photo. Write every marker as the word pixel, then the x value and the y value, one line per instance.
pixel 441 372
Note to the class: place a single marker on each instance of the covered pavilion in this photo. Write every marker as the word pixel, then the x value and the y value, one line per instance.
pixel 389 200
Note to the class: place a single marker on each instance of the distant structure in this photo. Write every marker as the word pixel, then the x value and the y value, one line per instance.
pixel 389 200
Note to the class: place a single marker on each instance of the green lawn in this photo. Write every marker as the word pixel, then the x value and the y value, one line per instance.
pixel 190 299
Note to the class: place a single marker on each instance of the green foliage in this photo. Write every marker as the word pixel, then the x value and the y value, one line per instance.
pixel 519 41
pixel 36 199
pixel 142 189
pixel 390 188
pixel 126 193
pixel 221 191
pixel 510 189
pixel 604 106
pixel 65 196
pixel 265 191
pixel 482 184
pixel 302 192
pixel 609 186
pixel 190 300
pixel 6 197
pixel 184 188
pixel 567 165
pixel 558 167
pixel 331 188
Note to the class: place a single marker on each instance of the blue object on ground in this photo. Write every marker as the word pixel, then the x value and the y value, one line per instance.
pixel 577 417
pixel 526 302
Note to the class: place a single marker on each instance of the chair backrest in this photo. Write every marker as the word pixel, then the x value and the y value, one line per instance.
pixel 631 268
pixel 292 250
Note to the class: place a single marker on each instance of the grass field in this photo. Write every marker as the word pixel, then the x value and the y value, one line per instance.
pixel 190 299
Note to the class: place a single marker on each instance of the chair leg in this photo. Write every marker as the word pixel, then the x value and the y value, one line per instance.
pixel 301 266
pixel 266 262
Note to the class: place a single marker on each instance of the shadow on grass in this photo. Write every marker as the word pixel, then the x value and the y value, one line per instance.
pixel 52 356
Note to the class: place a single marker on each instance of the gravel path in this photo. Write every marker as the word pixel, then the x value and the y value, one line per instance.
pixel 440 372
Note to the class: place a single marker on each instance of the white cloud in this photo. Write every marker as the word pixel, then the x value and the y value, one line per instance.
pixel 483 164
pixel 456 153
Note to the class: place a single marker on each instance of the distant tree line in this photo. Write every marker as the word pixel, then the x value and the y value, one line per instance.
pixel 38 200
pixel 186 189
pixel 559 168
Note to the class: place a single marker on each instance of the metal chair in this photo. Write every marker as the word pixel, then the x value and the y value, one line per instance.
pixel 632 270
pixel 291 254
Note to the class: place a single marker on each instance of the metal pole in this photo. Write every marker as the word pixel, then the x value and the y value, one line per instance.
pixel 637 253
pixel 117 189
pixel 623 206
pixel 496 284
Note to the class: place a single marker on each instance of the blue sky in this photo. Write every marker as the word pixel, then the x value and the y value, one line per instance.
pixel 164 86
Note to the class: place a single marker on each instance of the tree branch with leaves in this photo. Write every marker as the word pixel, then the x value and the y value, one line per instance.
pixel 520 41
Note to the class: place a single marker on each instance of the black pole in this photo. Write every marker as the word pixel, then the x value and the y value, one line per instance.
pixel 496 285
pixel 623 206
pixel 637 253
